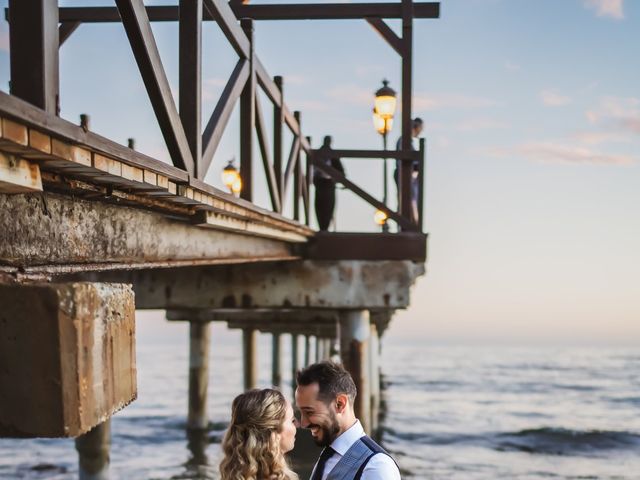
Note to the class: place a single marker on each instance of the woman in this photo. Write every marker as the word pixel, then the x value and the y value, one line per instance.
pixel 262 430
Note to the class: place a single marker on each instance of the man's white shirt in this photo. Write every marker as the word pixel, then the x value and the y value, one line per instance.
pixel 379 467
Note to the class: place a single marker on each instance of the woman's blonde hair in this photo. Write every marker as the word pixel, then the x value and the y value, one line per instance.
pixel 250 445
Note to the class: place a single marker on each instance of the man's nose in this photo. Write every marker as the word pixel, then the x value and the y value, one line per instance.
pixel 304 422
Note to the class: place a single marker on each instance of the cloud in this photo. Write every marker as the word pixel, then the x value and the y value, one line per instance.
pixel 606 8
pixel 450 101
pixel 476 124
pixel 599 137
pixel 552 98
pixel 553 153
pixel 512 67
pixel 351 94
pixel 618 113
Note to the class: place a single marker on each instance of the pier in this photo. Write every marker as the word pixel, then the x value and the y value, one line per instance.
pixel 92 230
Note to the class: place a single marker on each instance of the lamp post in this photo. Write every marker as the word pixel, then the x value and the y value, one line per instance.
pixel 383 110
pixel 231 177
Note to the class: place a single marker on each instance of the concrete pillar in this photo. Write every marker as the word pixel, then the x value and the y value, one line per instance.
pixel 93 452
pixel 374 363
pixel 67 357
pixel 295 365
pixel 355 333
pixel 200 334
pixel 249 346
pixel 307 350
pixel 318 349
pixel 276 360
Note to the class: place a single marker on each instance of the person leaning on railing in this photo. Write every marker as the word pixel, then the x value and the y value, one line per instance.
pixel 416 129
pixel 325 185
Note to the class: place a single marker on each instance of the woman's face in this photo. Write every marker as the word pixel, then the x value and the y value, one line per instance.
pixel 288 430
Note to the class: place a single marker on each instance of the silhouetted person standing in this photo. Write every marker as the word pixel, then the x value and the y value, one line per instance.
pixel 325 185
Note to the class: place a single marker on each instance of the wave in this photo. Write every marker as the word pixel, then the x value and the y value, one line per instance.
pixel 544 441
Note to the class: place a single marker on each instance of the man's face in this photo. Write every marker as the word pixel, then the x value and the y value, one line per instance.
pixel 417 130
pixel 317 416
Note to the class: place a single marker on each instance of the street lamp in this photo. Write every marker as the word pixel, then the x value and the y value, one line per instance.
pixel 384 107
pixel 231 177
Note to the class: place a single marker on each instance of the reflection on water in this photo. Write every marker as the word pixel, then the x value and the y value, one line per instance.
pixel 450 413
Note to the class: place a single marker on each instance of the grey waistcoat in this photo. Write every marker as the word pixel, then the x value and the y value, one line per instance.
pixel 352 464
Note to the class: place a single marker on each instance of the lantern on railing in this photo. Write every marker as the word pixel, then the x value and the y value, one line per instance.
pixel 385 102
pixel 231 177
pixel 380 217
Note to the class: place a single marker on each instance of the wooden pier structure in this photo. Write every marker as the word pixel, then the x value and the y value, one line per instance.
pixel 91 230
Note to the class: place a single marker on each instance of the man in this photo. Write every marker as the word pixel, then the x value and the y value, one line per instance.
pixel 325 185
pixel 416 129
pixel 325 396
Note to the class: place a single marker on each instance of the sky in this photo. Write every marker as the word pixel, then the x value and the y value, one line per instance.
pixel 532 123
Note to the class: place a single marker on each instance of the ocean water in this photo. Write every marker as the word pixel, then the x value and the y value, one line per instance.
pixel 451 412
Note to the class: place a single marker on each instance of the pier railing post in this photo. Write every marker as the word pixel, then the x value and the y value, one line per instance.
pixel 199 333
pixel 93 452
pixel 355 333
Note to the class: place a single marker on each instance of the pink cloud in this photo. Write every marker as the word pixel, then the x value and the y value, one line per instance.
pixel 606 8
pixel 564 154
pixel 552 98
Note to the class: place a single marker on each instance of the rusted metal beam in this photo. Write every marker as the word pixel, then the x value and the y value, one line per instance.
pixel 215 127
pixel 327 11
pixel 65 30
pixel 221 12
pixel 190 83
pixel 385 31
pixel 145 50
pixel 247 118
pixel 33 35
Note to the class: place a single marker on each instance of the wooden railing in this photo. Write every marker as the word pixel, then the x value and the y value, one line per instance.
pixel 39 27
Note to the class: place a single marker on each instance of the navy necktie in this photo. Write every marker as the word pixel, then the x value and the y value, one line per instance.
pixel 326 454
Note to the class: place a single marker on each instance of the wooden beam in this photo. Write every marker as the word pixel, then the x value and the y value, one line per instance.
pixel 33 35
pixel 272 88
pixel 145 51
pixel 367 246
pixel 269 172
pixel 65 31
pixel 228 23
pixel 247 119
pixel 18 175
pixel 404 180
pixel 385 31
pixel 337 176
pixel 297 178
pixel 327 11
pixel 291 163
pixel 278 122
pixel 220 116
pixel 376 154
pixel 190 83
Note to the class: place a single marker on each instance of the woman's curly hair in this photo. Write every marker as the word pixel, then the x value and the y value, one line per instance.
pixel 250 445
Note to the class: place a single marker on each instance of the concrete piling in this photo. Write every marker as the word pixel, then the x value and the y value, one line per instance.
pixel 355 333
pixel 374 363
pixel 276 360
pixel 307 350
pixel 93 452
pixel 295 365
pixel 200 333
pixel 250 363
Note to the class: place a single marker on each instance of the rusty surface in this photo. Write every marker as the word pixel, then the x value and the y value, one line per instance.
pixel 67 357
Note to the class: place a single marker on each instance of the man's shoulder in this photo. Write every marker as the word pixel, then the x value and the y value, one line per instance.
pixel 380 464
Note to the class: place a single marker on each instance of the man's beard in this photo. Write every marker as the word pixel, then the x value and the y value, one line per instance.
pixel 329 432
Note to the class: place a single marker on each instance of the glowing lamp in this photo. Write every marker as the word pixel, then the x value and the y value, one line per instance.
pixel 380 217
pixel 385 101
pixel 231 177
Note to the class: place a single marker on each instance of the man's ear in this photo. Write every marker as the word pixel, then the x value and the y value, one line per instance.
pixel 342 401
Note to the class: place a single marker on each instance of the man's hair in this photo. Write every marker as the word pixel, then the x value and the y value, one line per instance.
pixel 332 380
pixel 416 122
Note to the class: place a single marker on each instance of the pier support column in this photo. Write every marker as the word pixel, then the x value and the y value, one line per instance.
pixel 374 362
pixel 307 350
pixel 276 360
pixel 355 333
pixel 318 349
pixel 250 359
pixel 93 452
pixel 200 335
pixel 295 365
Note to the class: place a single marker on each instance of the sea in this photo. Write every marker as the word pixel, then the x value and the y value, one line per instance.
pixel 450 412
